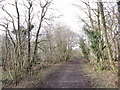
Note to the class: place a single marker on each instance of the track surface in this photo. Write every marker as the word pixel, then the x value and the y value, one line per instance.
pixel 68 75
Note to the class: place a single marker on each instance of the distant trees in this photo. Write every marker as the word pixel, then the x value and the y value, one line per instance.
pixel 84 49
pixel 57 43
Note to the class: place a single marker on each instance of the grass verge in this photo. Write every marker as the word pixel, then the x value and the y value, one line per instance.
pixel 99 78
pixel 38 76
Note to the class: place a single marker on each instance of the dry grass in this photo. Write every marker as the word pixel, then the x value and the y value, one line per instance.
pixel 38 76
pixel 100 79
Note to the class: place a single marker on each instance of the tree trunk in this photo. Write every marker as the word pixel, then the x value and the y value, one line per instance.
pixel 43 13
pixel 29 44
pixel 100 41
pixel 105 36
pixel 118 3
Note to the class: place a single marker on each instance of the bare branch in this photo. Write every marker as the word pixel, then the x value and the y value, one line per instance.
pixel 6 27
pixel 10 17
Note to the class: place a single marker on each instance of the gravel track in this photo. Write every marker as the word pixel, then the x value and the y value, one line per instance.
pixel 68 75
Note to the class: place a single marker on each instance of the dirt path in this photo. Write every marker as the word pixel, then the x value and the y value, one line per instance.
pixel 68 75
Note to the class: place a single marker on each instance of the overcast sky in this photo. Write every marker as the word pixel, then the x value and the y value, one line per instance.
pixel 69 11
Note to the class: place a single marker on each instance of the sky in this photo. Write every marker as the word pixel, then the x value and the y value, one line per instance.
pixel 65 8
pixel 69 12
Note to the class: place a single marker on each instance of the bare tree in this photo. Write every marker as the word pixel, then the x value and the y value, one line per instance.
pixel 101 32
pixel 42 17
pixel 18 36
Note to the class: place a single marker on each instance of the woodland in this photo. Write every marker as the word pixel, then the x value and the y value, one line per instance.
pixel 33 40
